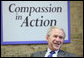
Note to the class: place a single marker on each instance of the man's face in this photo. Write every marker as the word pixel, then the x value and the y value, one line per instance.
pixel 55 40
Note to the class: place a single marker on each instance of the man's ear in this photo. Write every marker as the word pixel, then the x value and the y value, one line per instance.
pixel 47 37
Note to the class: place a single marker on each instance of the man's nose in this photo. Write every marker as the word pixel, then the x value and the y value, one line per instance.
pixel 57 39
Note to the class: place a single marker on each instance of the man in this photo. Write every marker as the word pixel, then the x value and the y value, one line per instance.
pixel 55 37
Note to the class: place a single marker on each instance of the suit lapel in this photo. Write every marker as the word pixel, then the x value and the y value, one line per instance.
pixel 42 54
pixel 60 53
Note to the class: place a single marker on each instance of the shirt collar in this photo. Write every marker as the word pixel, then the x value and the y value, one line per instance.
pixel 48 50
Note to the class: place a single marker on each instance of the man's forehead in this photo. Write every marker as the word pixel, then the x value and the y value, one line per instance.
pixel 57 31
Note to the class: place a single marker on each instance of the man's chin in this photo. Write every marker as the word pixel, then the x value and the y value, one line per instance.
pixel 56 48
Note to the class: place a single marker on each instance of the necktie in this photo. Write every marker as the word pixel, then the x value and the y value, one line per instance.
pixel 51 53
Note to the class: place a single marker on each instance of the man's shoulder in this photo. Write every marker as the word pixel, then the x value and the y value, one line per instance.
pixel 65 54
pixel 38 54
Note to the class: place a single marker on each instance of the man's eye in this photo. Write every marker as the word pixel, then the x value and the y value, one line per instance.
pixel 55 36
pixel 60 37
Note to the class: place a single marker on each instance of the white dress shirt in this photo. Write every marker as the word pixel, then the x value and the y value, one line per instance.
pixel 48 52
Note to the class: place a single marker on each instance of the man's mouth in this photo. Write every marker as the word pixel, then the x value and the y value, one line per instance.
pixel 57 44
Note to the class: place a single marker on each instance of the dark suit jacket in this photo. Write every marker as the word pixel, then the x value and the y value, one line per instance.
pixel 61 53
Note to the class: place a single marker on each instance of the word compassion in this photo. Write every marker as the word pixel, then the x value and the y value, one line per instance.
pixel 13 8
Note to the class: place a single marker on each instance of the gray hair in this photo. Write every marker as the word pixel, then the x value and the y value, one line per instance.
pixel 54 27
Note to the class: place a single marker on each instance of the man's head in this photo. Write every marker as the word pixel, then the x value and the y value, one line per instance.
pixel 55 37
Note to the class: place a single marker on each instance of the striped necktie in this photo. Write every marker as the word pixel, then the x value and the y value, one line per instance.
pixel 51 53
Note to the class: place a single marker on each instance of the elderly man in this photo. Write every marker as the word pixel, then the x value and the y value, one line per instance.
pixel 55 37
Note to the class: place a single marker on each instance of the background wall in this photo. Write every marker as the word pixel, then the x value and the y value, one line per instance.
pixel 75 47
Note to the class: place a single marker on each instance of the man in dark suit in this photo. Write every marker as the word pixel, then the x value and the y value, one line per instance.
pixel 55 37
